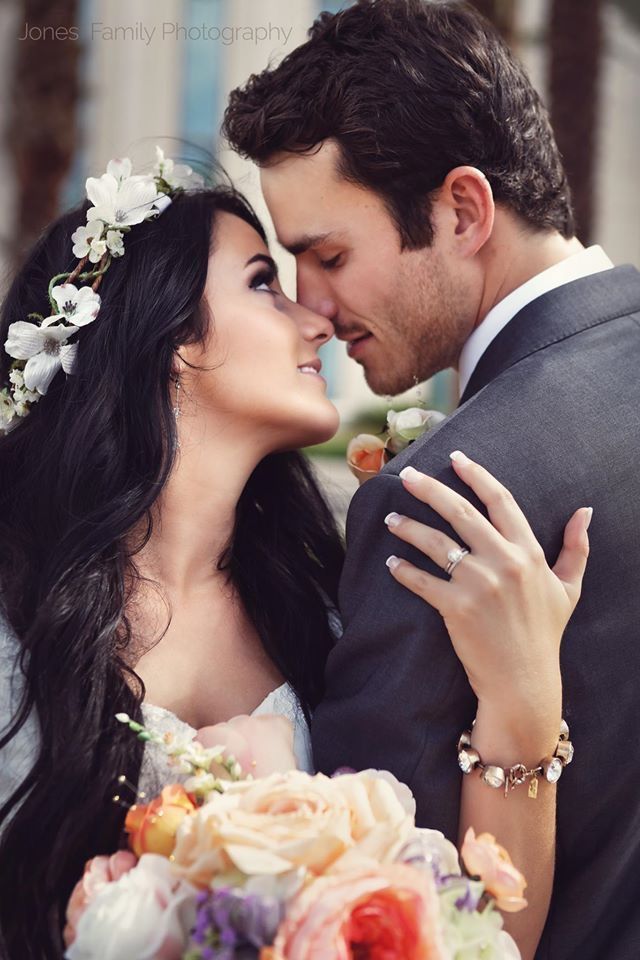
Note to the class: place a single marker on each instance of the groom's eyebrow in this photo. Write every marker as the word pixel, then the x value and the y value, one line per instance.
pixel 307 242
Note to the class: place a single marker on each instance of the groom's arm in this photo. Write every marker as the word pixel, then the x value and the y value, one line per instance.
pixel 396 697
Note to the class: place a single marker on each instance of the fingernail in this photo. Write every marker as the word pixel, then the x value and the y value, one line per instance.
pixel 588 516
pixel 459 457
pixel 392 519
pixel 392 562
pixel 409 475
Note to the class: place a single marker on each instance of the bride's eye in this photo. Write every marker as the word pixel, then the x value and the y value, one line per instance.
pixel 264 281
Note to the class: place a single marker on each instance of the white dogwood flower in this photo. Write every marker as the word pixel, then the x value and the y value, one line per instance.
pixel 87 241
pixel 76 306
pixel 121 203
pixel 120 168
pixel 176 175
pixel 44 348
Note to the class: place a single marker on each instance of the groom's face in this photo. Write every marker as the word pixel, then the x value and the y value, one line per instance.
pixel 405 314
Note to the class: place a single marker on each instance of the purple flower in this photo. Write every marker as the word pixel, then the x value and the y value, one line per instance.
pixel 228 920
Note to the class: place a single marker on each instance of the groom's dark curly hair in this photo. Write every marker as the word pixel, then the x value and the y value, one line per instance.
pixel 409 89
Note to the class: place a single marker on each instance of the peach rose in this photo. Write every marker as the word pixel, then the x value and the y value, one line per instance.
pixel 485 858
pixel 152 827
pixel 262 745
pixel 383 912
pixel 366 456
pixel 97 873
pixel 292 821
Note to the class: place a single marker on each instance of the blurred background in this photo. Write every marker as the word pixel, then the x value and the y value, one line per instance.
pixel 87 80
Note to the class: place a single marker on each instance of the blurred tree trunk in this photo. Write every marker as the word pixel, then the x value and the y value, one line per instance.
pixel 575 44
pixel 42 132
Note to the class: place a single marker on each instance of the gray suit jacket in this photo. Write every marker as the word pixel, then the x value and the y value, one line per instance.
pixel 553 410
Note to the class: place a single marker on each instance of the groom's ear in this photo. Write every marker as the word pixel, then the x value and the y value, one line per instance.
pixel 467 194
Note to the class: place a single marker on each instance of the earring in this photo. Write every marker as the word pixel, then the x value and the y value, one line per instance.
pixel 176 409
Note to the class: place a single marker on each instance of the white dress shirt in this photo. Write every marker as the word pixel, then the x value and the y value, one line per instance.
pixel 582 264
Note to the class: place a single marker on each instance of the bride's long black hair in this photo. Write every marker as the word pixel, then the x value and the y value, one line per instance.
pixel 76 476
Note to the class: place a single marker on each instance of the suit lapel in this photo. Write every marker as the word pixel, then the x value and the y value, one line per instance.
pixel 556 315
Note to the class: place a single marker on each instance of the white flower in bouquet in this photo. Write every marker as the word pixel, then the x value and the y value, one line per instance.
pixel 88 242
pixel 44 348
pixel 145 915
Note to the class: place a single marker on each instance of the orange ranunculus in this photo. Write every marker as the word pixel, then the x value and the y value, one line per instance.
pixel 383 912
pixel 152 827
pixel 366 456
pixel 485 858
pixel 97 873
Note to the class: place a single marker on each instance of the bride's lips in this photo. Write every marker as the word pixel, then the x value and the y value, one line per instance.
pixel 356 347
pixel 312 369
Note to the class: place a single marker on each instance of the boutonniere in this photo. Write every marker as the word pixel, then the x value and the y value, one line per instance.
pixel 367 454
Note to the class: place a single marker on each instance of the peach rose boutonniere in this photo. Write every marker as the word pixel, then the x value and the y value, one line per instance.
pixel 367 454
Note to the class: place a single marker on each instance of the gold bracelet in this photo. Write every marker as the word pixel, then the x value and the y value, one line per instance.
pixel 507 778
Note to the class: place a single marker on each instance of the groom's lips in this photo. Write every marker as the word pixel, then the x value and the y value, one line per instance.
pixel 356 347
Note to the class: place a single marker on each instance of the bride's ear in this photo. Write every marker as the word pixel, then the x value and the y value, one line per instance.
pixel 468 195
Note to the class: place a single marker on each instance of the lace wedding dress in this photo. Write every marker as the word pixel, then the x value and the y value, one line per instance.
pixel 19 756
pixel 156 771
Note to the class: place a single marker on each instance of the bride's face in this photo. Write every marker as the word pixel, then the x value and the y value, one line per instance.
pixel 261 349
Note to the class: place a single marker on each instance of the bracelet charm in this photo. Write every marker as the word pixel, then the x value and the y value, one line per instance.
pixel 550 768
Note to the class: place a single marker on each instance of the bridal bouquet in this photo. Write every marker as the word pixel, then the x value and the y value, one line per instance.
pixel 368 453
pixel 289 867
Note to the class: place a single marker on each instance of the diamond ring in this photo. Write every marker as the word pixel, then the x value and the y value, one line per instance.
pixel 455 557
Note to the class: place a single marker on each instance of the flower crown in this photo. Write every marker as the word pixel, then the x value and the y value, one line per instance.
pixel 40 346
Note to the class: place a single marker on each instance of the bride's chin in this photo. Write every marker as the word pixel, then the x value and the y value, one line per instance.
pixel 318 429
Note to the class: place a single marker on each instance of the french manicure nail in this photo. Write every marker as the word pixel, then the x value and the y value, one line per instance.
pixel 409 474
pixel 459 457
pixel 392 562
pixel 392 519
pixel 587 520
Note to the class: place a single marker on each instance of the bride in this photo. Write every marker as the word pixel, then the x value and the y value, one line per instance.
pixel 164 547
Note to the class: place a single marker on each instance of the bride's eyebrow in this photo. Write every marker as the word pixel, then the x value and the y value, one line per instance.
pixel 263 258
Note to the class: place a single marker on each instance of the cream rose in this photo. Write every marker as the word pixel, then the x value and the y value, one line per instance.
pixel 292 821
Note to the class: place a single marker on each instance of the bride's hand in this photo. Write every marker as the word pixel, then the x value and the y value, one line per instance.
pixel 503 607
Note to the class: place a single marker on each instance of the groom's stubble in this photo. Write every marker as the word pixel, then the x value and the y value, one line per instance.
pixel 421 329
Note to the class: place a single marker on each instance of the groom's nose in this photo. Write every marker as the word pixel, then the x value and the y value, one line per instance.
pixel 313 294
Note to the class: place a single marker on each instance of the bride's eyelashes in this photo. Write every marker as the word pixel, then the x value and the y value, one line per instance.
pixel 264 280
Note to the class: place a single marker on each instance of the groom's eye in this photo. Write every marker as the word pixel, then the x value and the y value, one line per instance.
pixel 330 264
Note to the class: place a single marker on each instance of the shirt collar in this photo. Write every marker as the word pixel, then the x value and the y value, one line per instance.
pixel 581 264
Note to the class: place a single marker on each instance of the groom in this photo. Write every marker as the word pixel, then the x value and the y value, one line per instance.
pixel 410 167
